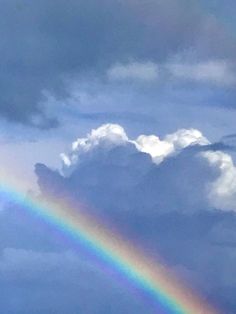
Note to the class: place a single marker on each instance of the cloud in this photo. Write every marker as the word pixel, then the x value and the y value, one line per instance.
pixel 223 190
pixel 165 194
pixel 218 72
pixel 86 38
pixel 170 144
pixel 108 135
pixel 168 194
pixel 182 164
pixel 112 135
pixel 147 71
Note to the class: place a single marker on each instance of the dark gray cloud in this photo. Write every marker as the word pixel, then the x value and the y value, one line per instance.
pixel 43 42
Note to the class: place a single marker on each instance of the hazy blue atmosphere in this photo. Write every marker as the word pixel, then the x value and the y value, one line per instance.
pixel 128 106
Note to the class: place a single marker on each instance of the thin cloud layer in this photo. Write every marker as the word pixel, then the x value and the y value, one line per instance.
pixel 219 73
pixel 216 72
pixel 147 71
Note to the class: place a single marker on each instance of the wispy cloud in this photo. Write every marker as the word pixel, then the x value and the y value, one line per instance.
pixel 143 71
pixel 219 72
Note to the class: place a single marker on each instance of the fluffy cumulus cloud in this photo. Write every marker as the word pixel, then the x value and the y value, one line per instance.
pixel 169 195
pixel 112 135
pixel 107 135
pixel 159 149
pixel 223 190
pixel 218 183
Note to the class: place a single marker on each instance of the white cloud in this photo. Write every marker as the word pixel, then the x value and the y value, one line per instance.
pixel 110 135
pixel 107 135
pixel 218 72
pixel 146 71
pixel 221 191
pixel 186 137
pixel 159 149
pixel 152 145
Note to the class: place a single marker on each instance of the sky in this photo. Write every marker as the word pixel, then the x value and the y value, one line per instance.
pixel 128 106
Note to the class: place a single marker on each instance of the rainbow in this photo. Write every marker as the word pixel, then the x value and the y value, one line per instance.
pixel 146 275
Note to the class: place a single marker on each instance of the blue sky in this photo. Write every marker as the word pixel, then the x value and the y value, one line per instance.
pixel 145 91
